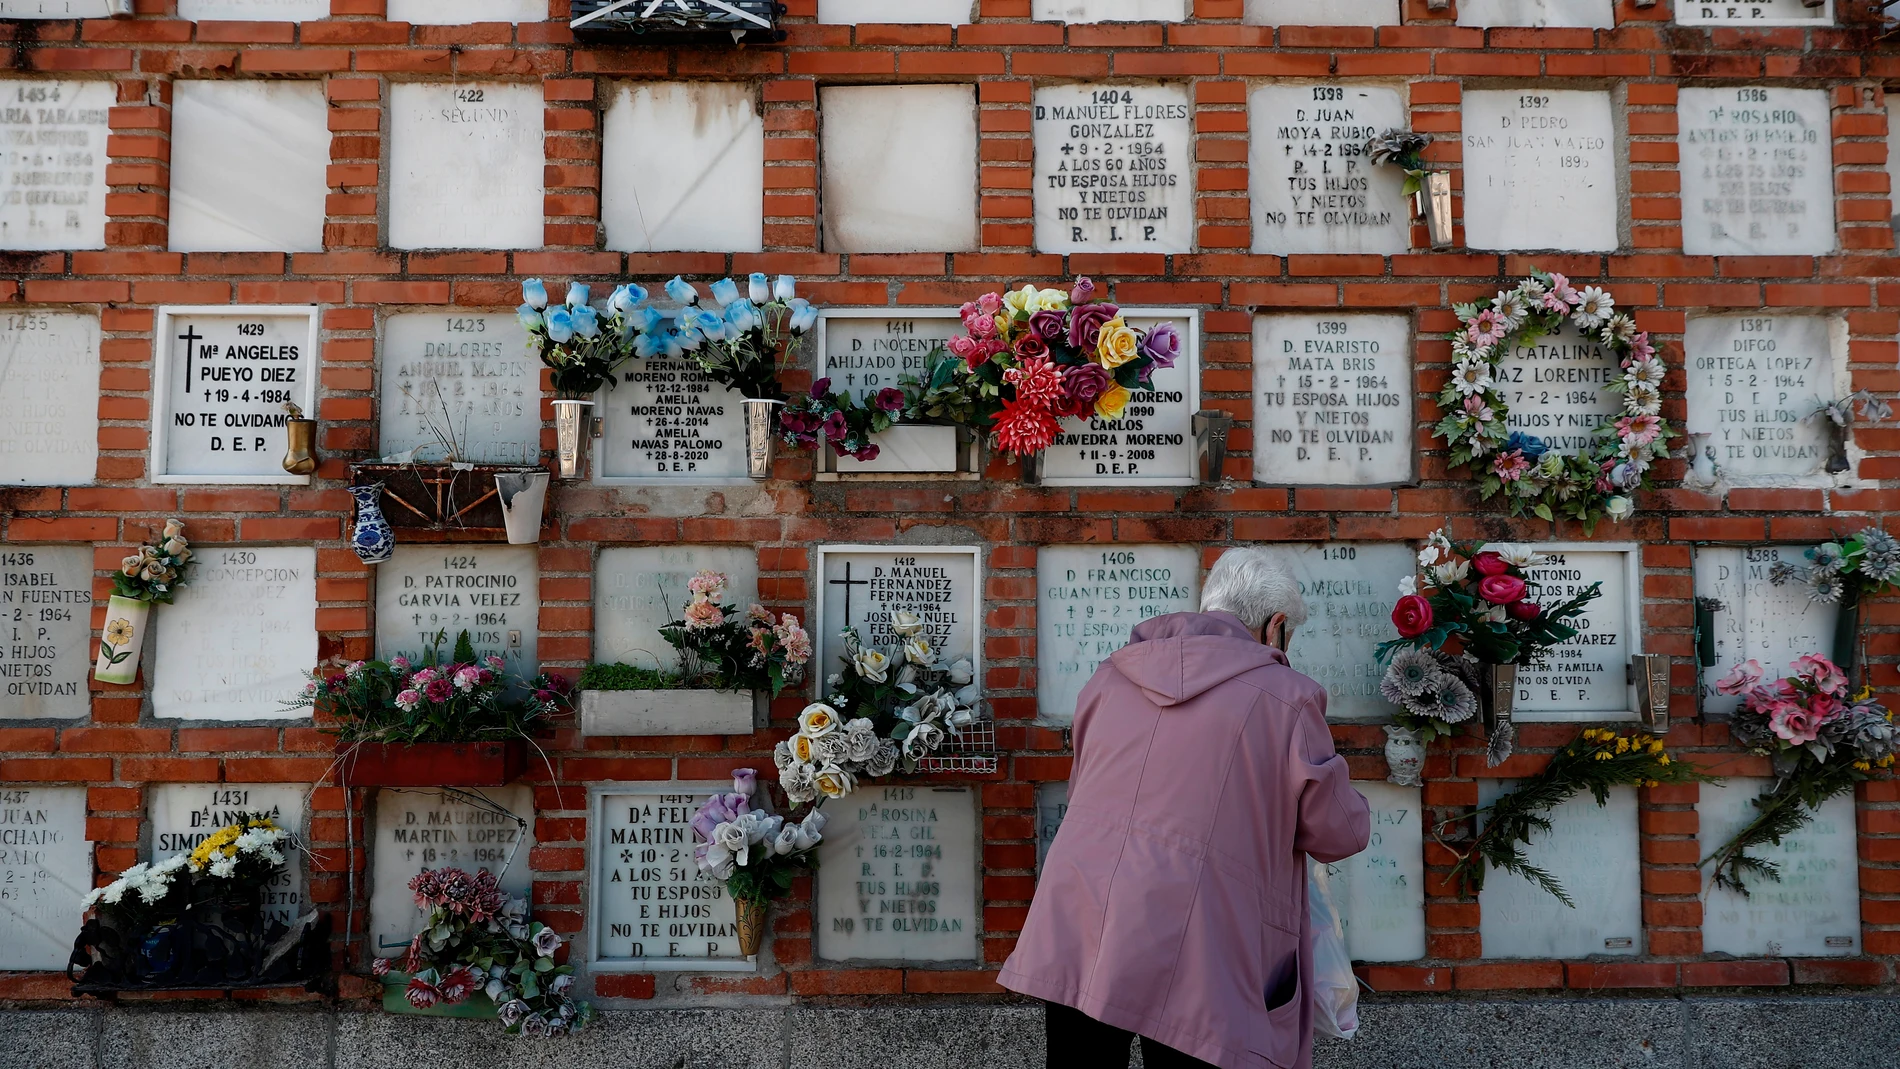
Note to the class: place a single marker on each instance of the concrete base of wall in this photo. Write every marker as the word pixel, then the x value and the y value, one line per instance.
pixel 1738 1032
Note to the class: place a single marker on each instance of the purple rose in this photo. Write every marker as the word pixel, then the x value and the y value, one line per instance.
pixel 1050 326
pixel 1163 344
pixel 890 399
pixel 1085 382
pixel 744 781
pixel 835 426
pixel 1083 292
pixel 820 388
pixel 1085 325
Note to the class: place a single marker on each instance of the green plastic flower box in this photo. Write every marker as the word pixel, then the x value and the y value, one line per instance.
pixel 477 1006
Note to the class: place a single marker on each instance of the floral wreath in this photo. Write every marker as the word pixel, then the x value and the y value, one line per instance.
pixel 1587 486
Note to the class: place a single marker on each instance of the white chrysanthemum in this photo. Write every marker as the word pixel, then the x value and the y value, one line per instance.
pixel 1460 346
pixel 1471 375
pixel 1594 310
pixel 1648 372
pixel 1642 399
pixel 1620 328
pixel 1513 306
pixel 1532 290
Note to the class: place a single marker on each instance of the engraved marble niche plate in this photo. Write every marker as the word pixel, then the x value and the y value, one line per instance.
pixel 899 167
pixel 864 350
pixel 1758 620
pixel 248 166
pixel 652 907
pixel 46 862
pixel 1088 599
pixel 1812 911
pixel 184 815
pixel 1153 443
pixel 56 9
pixel 897 876
pixel 1380 892
pixel 492 592
pixel 253 10
pixel 1114 168
pixel 49 398
pixel 706 192
pixel 1333 400
pixel 1052 804
pixel 222 375
pixel 1554 388
pixel 1592 851
pixel 1586 678
pixel 1754 383
pixel 237 641
pixel 1086 11
pixel 1313 188
pixel 471 377
pixel 1540 169
pixel 466 12
pixel 1739 13
pixel 53 185
pixel 1349 589
pixel 858 12
pixel 431 829
pixel 45 631
pixel 1586 14
pixel 1757 168
pixel 465 166
pixel 861 586
pixel 1320 13
pixel 667 422
pixel 640 589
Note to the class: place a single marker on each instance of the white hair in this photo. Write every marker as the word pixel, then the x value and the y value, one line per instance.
pixel 1254 583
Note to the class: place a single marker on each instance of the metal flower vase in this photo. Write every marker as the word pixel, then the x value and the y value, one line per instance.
pixel 760 431
pixel 123 638
pixel 300 457
pixel 573 425
pixel 371 539
pixel 751 917
pixel 1847 632
pixel 1500 694
pixel 524 497
pixel 1404 756
pixel 1432 203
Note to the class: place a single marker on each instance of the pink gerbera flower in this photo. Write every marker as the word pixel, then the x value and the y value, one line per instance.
pixel 1640 430
pixel 1510 466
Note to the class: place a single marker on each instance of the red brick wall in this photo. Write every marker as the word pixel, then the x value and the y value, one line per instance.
pixel 121 750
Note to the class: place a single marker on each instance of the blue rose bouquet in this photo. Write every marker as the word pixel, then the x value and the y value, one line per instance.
pixel 738 341
pixel 583 346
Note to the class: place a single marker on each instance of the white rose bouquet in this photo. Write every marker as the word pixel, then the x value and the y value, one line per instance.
pixel 756 852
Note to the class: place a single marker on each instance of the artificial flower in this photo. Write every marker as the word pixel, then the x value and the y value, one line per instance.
pixel 1117 344
pixel 1412 616
pixel 872 665
pixel 818 719
pixel 1113 402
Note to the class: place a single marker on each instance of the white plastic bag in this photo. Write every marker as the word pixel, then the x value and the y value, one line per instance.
pixel 1335 988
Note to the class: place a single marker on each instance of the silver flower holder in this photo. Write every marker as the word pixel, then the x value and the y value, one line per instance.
pixel 1211 427
pixel 760 432
pixel 1032 469
pixel 573 425
pixel 1432 203
pixel 1498 699
pixel 1650 673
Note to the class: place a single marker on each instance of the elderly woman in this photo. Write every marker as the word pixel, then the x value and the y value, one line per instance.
pixel 1172 904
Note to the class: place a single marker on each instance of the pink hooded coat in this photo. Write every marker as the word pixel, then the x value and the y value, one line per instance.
pixel 1173 901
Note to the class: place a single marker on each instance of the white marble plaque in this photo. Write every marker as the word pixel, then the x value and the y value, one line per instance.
pixel 1313 187
pixel 861 586
pixel 466 379
pixel 1812 911
pixel 1333 400
pixel 223 377
pixel 1758 620
pixel 1754 383
pixel 45 631
pixel 1082 11
pixel 853 12
pixel 1593 852
pixel 1757 170
pixel 1380 892
pixel 1585 678
pixel 492 829
pixel 1153 443
pixel 1588 14
pixel 1753 13
pixel 1349 590
pixel 55 9
pixel 1052 804
pixel 1540 170
pixel 1554 388
pixel 656 909
pixel 492 592
pixel 1114 168
pixel 667 421
pixel 897 876
pixel 899 166
pixel 465 166
pixel 864 351
pixel 1088 599
pixel 46 866
pixel 706 191
pixel 49 398
pixel 253 10
pixel 249 160
pixel 640 589
pixel 1320 13
pixel 466 12
pixel 186 814
pixel 53 185
pixel 237 641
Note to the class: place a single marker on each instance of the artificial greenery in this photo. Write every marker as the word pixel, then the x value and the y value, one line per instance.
pixel 461 698
pixel 628 677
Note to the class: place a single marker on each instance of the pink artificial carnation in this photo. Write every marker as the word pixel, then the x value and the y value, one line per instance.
pixel 399 663
pixel 458 985
pixel 1820 673
pixel 1793 723
pixel 1740 678
pixel 422 678
pixel 495 662
pixel 379 968
pixel 703 615
pixel 438 690
pixel 709 583
pixel 1639 430
pixel 1510 466
pixel 467 678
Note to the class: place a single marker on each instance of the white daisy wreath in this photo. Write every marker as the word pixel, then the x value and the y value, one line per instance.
pixel 1533 478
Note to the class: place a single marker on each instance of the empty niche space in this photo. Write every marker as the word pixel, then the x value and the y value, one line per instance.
pixel 706 191
pixel 899 168
pixel 248 166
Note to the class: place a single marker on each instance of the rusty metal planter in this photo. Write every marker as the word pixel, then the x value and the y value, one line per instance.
pixel 438 497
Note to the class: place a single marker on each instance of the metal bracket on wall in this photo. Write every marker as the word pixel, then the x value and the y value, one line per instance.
pixel 1211 427
pixel 1650 673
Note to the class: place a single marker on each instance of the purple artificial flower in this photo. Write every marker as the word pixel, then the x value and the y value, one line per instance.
pixel 867 454
pixel 1050 325
pixel 1083 292
pixel 890 399
pixel 835 426
pixel 719 809
pixel 1163 344
pixel 744 781
pixel 820 388
pixel 1085 325
pixel 1084 383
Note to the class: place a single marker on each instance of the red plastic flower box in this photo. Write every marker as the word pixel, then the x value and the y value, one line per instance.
pixel 431 764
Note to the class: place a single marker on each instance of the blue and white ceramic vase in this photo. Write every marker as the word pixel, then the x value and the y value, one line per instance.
pixel 372 539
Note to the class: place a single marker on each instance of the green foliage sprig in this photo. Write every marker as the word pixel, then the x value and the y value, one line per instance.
pixel 1780 811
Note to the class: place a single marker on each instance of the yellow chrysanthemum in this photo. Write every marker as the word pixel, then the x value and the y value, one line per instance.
pixel 1112 402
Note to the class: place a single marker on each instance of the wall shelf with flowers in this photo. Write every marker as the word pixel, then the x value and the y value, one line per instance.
pixel 674 21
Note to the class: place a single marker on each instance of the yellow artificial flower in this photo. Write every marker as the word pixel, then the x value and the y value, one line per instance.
pixel 1605 755
pixel 1029 300
pixel 1885 762
pixel 1863 766
pixel 1112 402
pixel 1622 745
pixel 1118 344
pixel 1865 692
pixel 1662 759
pixel 1655 746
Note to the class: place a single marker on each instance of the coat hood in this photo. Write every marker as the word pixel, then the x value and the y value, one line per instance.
pixel 1173 658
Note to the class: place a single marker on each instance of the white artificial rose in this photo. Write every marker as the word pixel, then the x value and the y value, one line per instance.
pixel 719 862
pixel 872 665
pixel 811 828
pixel 906 623
pixel 923 739
pixel 918 652
pixel 786 840
pixel 1619 508
pixel 962 671
pixel 834 782
pixel 817 720
pixel 967 696
pixel 733 838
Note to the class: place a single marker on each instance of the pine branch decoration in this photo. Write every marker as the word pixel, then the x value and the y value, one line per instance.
pixel 1780 811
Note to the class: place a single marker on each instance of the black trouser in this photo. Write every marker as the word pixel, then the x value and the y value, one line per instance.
pixel 1078 1041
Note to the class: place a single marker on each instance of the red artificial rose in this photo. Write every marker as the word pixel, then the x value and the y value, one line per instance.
pixel 1412 615
pixel 1526 610
pixel 1501 589
pixel 1030 345
pixel 1489 563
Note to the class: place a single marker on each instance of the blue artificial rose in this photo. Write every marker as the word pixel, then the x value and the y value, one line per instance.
pixel 682 291
pixel 576 295
pixel 676 344
pixel 741 316
pixel 586 323
pixel 530 319
pixel 648 320
pixel 626 299
pixel 725 291
pixel 758 287
pixel 560 325
pixel 647 346
pixel 535 292
pixel 785 289
pixel 1528 444
pixel 803 315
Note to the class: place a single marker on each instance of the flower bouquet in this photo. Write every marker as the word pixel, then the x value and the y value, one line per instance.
pixel 1821 739
pixel 582 349
pixel 885 709
pixel 1842 573
pixel 146 578
pixel 756 853
pixel 1476 617
pixel 479 943
pixel 843 422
